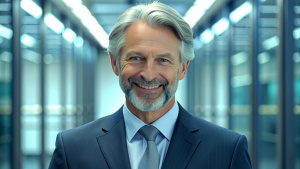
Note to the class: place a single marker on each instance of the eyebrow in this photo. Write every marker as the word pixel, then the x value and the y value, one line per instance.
pixel 168 55
pixel 133 53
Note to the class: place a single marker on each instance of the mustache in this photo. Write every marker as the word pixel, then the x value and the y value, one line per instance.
pixel 145 82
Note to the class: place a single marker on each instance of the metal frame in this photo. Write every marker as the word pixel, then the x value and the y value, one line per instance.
pixel 213 73
pixel 255 86
pixel 79 84
pixel 63 79
pixel 229 69
pixel 286 120
pixel 44 4
pixel 190 84
pixel 16 86
pixel 199 84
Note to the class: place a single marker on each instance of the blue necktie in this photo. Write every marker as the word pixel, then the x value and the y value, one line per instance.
pixel 150 157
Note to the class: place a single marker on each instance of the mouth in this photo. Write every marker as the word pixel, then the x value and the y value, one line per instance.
pixel 147 87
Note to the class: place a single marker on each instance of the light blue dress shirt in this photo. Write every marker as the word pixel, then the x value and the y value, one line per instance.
pixel 136 143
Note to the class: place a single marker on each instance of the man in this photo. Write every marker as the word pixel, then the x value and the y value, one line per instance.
pixel 150 48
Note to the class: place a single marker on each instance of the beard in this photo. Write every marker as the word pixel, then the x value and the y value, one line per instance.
pixel 148 102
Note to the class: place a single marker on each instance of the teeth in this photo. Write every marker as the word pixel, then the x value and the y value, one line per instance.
pixel 148 87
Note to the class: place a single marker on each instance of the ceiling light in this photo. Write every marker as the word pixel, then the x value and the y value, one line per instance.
pixel 91 23
pixel 81 12
pixel 69 35
pixel 206 36
pixel 220 26
pixel 31 56
pixel 32 8
pixel 240 12
pixel 78 42
pixel 271 43
pixel 28 40
pixel 53 23
pixel 297 9
pixel 100 35
pixel 242 80
pixel 72 3
pixel 193 15
pixel 296 57
pixel 296 33
pixel 6 32
pixel 239 58
pixel 204 4
pixel 264 58
pixel 197 43
pixel 48 59
pixel 6 56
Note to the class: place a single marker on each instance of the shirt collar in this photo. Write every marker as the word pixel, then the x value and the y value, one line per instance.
pixel 164 124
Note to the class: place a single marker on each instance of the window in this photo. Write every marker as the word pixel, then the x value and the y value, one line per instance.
pixel 6 55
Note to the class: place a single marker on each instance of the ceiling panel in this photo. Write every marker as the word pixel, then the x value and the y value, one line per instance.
pixel 107 12
pixel 109 8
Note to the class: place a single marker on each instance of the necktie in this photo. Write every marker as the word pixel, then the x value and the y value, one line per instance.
pixel 150 157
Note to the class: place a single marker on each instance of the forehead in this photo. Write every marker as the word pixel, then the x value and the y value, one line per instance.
pixel 141 36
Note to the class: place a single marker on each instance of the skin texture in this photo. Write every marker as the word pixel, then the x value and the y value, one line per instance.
pixel 151 54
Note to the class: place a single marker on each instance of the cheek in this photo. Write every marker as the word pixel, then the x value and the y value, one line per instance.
pixel 170 76
pixel 128 71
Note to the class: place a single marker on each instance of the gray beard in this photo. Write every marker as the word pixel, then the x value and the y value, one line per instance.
pixel 144 103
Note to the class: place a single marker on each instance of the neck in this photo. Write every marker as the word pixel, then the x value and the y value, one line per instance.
pixel 149 117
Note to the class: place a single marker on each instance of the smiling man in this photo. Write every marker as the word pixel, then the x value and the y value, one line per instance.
pixel 150 48
pixel 149 70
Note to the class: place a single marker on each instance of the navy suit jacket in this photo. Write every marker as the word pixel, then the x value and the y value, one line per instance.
pixel 195 144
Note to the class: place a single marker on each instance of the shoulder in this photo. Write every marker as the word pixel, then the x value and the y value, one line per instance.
pixel 94 128
pixel 205 128
pixel 230 149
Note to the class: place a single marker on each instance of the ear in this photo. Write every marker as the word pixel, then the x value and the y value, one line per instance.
pixel 114 64
pixel 183 69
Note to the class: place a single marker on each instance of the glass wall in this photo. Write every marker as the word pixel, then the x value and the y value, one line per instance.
pixel 268 79
pixel 54 86
pixel 240 63
pixel 6 34
pixel 195 77
pixel 69 81
pixel 209 73
pixel 238 43
pixel 297 81
pixel 221 70
pixel 31 88
pixel 62 79
pixel 205 73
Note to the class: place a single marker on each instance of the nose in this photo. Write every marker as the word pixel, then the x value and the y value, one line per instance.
pixel 149 71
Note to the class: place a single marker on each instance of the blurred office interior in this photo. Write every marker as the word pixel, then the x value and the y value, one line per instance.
pixel 55 73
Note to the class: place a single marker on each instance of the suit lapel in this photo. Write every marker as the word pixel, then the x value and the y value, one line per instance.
pixel 184 142
pixel 113 143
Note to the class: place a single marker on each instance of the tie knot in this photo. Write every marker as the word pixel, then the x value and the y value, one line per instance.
pixel 149 132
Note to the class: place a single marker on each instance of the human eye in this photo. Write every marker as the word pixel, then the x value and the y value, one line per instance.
pixel 135 58
pixel 163 61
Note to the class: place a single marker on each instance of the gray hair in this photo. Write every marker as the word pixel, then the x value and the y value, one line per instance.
pixel 154 14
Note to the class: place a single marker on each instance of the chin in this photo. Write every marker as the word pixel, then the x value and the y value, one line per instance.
pixel 147 105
